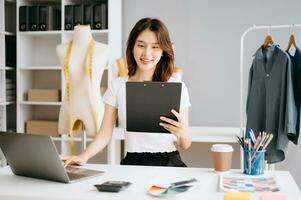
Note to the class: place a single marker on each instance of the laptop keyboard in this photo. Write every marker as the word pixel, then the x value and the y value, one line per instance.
pixel 73 176
pixel 77 173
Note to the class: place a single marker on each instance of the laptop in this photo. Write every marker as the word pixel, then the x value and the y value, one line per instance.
pixel 36 156
pixel 147 101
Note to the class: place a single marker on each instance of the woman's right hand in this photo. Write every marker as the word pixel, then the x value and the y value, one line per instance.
pixel 75 160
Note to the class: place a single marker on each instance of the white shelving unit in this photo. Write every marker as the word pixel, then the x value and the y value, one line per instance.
pixel 7 28
pixel 38 66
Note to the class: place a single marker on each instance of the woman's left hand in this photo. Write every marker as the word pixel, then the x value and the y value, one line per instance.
pixel 178 128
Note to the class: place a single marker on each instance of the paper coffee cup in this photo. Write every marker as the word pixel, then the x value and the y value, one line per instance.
pixel 222 157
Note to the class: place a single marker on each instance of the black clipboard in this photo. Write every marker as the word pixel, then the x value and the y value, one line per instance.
pixel 147 101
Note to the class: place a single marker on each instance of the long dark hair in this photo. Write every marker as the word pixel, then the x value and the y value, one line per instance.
pixel 165 66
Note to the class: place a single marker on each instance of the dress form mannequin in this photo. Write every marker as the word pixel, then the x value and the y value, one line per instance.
pixel 83 102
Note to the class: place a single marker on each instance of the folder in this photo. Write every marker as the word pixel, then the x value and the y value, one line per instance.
pixel 100 16
pixel 77 14
pixel 104 15
pixel 88 15
pixel 23 18
pixel 68 17
pixel 97 24
pixel 10 51
pixel 49 18
pixel 44 12
pixel 33 18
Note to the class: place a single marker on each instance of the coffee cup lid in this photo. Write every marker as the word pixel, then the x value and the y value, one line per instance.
pixel 222 148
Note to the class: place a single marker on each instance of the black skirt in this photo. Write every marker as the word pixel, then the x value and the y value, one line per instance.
pixel 170 159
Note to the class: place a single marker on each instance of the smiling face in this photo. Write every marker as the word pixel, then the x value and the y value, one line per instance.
pixel 147 52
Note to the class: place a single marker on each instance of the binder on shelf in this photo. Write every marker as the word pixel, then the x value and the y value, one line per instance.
pixel 10 92
pixel 10 51
pixel 33 18
pixel 97 17
pixel 9 81
pixel 78 14
pixel 49 18
pixel 100 16
pixel 10 98
pixel 23 18
pixel 88 15
pixel 10 86
pixel 68 17
pixel 104 15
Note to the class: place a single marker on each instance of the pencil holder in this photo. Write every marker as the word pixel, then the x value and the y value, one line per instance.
pixel 254 162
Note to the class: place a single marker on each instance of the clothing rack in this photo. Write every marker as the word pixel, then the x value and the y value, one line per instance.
pixel 242 40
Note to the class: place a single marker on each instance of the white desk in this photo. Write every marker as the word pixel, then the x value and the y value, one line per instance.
pixel 17 187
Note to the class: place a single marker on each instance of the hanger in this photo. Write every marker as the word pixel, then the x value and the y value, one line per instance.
pixel 292 40
pixel 268 39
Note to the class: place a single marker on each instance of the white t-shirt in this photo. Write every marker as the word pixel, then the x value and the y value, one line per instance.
pixel 141 141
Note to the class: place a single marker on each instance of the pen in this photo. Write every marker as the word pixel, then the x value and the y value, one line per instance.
pixel 265 140
pixel 270 137
pixel 250 156
pixel 240 141
pixel 257 142
pixel 180 183
pixel 246 144
pixel 261 142
pixel 268 142
pixel 252 136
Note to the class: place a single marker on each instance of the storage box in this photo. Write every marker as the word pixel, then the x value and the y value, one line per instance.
pixel 40 127
pixel 43 95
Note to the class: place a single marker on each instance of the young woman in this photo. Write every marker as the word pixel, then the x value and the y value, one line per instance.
pixel 150 57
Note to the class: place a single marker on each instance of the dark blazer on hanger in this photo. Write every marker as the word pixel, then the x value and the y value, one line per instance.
pixel 296 61
pixel 270 102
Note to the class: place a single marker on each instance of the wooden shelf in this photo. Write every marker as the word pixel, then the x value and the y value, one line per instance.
pixel 40 33
pixel 104 31
pixel 7 28
pixel 10 68
pixel 42 103
pixel 10 1
pixel 57 32
pixel 10 103
pixel 7 68
pixel 6 33
pixel 40 68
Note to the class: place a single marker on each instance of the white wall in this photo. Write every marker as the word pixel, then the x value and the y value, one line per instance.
pixel 207 34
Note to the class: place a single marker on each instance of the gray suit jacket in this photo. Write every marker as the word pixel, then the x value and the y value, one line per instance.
pixel 270 103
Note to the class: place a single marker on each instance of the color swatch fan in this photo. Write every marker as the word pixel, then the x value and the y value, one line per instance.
pixel 173 189
pixel 159 191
